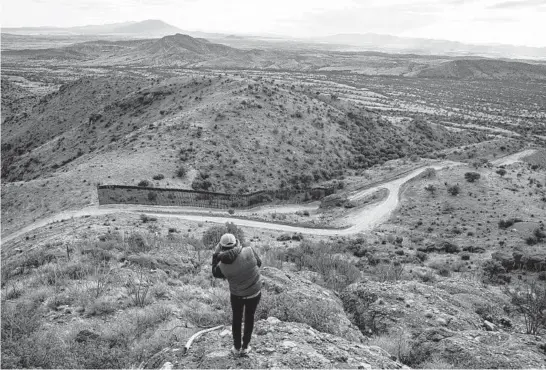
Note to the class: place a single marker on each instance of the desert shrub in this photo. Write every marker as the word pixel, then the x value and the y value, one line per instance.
pixel 539 235
pixel 204 315
pixel 201 182
pixel 287 307
pixel 492 269
pixel 389 271
pixel 336 271
pixel 530 301
pixel 75 270
pixel 144 183
pixel 454 189
pixel 431 189
pixel 97 255
pixel 422 256
pixel 505 224
pixel 284 237
pixel 145 218
pixel 181 171
pixel 428 277
pixel 137 288
pixel 472 176
pixel 100 280
pixel 212 235
pixel 152 196
pixel 137 243
pixel 274 257
pixel 396 343
pixel 501 172
pixel 159 177
pixel 101 306
pixel 449 247
pixel 436 362
pixel 36 258
pixel 19 319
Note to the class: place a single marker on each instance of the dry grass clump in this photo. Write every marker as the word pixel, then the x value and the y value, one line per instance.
pixel 397 343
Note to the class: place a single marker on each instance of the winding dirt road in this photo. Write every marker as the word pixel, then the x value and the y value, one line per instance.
pixel 362 220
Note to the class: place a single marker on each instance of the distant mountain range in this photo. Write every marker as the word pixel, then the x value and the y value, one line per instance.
pixel 147 28
pixel 185 51
pixel 388 43
pixel 339 42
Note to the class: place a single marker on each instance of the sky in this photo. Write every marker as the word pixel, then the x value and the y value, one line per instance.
pixel 518 22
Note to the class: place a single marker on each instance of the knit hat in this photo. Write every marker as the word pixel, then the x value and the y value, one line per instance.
pixel 228 241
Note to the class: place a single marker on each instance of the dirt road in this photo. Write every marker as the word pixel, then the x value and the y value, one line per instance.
pixel 512 158
pixel 362 220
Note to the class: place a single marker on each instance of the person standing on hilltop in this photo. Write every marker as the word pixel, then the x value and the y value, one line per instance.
pixel 240 266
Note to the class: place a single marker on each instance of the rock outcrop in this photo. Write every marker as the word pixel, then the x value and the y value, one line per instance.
pixel 480 350
pixel 462 324
pixel 291 297
pixel 278 344
pixel 377 307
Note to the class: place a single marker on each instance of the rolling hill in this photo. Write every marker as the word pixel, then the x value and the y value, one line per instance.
pixel 181 50
pixel 230 134
pixel 485 69
pixel 396 44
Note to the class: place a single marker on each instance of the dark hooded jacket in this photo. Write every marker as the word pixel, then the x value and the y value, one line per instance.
pixel 240 266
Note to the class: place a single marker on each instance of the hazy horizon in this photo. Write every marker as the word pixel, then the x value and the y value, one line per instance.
pixel 516 22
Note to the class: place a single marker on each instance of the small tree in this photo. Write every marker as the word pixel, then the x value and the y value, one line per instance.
pixel 472 176
pixel 501 172
pixel 454 189
pixel 530 301
pixel 431 189
pixel 181 171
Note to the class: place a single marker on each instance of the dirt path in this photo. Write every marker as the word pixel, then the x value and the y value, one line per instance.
pixel 362 220
pixel 512 158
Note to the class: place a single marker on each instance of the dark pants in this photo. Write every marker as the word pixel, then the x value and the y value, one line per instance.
pixel 249 305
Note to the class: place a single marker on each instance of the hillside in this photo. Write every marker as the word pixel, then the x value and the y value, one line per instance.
pixel 181 50
pixel 485 69
pixel 435 287
pixel 228 134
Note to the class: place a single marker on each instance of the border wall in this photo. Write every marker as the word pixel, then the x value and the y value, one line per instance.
pixel 122 194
